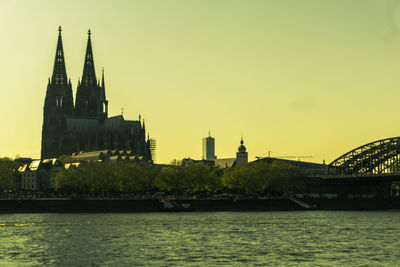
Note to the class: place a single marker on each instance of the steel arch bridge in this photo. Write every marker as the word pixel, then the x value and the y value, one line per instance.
pixel 378 157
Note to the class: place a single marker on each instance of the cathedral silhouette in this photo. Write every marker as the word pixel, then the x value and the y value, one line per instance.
pixel 85 126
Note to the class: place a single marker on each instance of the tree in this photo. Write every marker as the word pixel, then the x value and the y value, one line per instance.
pixel 214 180
pixel 97 177
pixel 196 177
pixel 176 162
pixel 103 178
pixel 191 179
pixel 132 177
pixel 260 176
pixel 6 172
pixel 285 178
pixel 250 178
pixel 170 179
pixel 64 159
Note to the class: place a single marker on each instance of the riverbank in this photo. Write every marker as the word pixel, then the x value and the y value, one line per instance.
pixel 165 205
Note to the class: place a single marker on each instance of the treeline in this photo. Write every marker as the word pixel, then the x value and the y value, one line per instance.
pixel 257 177
pixel 7 167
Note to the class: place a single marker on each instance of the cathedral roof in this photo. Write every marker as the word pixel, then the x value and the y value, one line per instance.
pixel 118 122
pixel 112 122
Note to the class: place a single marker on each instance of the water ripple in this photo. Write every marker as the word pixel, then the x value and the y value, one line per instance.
pixel 316 238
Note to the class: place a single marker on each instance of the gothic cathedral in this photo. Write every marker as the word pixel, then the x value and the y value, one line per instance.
pixel 85 126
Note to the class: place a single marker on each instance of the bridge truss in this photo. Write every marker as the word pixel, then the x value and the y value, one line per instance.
pixel 382 156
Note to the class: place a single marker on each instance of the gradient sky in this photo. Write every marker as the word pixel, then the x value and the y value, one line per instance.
pixel 296 77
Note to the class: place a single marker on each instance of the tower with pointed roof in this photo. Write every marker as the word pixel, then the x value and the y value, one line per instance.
pixel 58 103
pixel 85 127
pixel 242 155
pixel 90 96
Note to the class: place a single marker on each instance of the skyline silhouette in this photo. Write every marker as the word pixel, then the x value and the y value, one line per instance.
pixel 311 78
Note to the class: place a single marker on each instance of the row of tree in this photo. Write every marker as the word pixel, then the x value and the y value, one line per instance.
pixel 94 178
pixel 257 177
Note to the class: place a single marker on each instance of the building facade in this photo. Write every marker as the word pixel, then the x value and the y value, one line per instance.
pixel 85 126
pixel 39 175
pixel 240 160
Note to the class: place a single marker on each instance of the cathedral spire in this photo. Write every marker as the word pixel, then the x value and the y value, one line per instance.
pixel 102 78
pixel 57 104
pixel 103 86
pixel 89 75
pixel 59 72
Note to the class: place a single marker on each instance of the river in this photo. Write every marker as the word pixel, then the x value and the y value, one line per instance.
pixel 350 238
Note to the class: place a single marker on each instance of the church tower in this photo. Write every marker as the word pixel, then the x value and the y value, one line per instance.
pixel 241 155
pixel 90 96
pixel 58 103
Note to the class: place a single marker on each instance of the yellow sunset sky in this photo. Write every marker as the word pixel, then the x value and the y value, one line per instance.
pixel 296 77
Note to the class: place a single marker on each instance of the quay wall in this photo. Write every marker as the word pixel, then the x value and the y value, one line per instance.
pixel 164 205
pixel 145 205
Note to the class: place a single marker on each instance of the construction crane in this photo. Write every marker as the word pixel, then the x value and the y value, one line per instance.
pixel 294 157
pixel 285 156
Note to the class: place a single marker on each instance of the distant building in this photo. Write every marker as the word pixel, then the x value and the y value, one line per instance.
pixel 240 160
pixel 189 162
pixel 39 175
pixel 209 159
pixel 306 168
pixel 242 155
pixel 112 156
pixel 209 148
pixel 225 163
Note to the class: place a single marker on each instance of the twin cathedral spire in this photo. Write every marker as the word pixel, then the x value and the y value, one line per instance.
pixel 70 127
pixel 90 98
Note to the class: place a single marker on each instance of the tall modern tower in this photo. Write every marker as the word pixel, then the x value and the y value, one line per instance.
pixel 209 148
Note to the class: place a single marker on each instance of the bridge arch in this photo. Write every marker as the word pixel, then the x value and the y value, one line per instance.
pixel 381 156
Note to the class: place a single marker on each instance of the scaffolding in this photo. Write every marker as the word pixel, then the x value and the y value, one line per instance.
pixel 153 146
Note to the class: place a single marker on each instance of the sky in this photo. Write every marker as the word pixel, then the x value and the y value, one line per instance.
pixel 294 77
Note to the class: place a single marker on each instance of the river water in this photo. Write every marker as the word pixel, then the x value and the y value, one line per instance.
pixel 201 239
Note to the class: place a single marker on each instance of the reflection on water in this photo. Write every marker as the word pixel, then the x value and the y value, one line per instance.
pixel 204 238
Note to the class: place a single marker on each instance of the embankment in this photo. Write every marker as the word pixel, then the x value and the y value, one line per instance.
pixel 164 205
pixel 143 205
